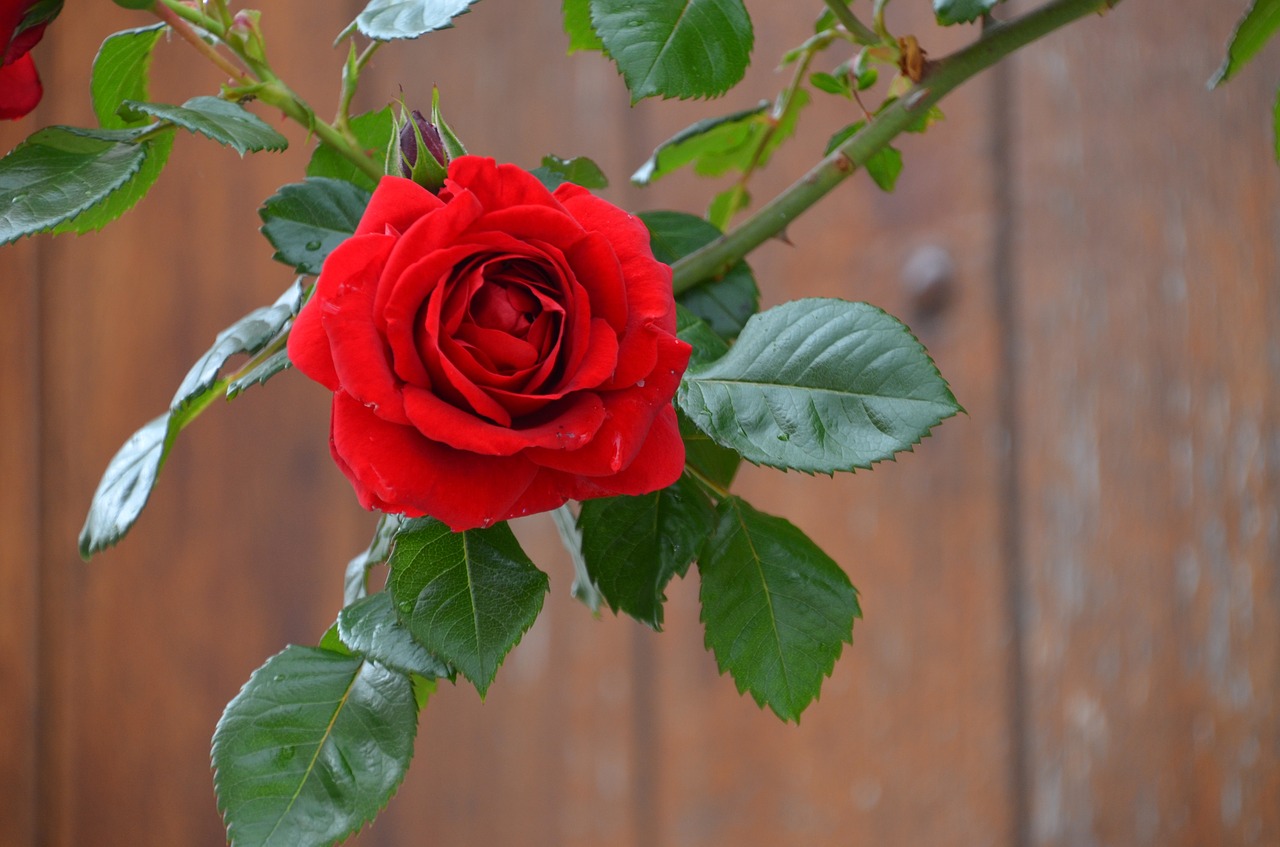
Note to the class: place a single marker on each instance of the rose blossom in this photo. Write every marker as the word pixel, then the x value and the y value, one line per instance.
pixel 496 350
pixel 22 24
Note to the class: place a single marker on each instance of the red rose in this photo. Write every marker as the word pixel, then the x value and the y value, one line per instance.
pixel 496 350
pixel 22 24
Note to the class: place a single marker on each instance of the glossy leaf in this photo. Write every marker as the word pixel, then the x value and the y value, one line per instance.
pixel 355 581
pixel 304 221
pixel 1259 24
pixel 633 546
pixel 715 138
pixel 725 303
pixel 217 119
pixel 777 609
pixel 675 48
pixel 60 172
pixel 131 474
pixel 577 25
pixel 156 151
pixel 386 20
pixel 819 385
pixel 468 597
pixel 373 131
pixel 707 344
pixel 311 748
pixel 120 73
pixel 705 458
pixel 370 627
pixel 961 11
pixel 579 170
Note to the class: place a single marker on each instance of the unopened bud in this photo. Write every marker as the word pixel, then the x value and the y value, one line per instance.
pixel 419 132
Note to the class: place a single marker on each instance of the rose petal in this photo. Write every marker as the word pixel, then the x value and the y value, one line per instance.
pixel 440 230
pixel 20 89
pixel 396 469
pixel 397 203
pixel 496 186
pixel 572 426
pixel 361 359
pixel 356 261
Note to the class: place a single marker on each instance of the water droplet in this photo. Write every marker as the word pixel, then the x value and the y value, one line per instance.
pixel 313 245
pixel 782 436
pixel 640 383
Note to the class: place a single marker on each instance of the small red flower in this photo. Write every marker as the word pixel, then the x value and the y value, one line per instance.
pixel 22 24
pixel 495 350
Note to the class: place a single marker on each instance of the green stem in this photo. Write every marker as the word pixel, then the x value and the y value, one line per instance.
pixel 584 587
pixel 942 77
pixel 861 33
pixel 177 24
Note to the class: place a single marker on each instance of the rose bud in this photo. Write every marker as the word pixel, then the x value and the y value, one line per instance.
pixel 22 24
pixel 495 350
pixel 416 135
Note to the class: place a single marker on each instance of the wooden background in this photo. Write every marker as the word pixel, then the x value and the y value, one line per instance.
pixel 1072 597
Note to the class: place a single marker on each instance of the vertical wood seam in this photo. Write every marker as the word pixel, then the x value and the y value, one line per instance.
pixel 1009 348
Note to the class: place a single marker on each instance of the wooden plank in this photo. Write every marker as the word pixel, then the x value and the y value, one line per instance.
pixel 1149 433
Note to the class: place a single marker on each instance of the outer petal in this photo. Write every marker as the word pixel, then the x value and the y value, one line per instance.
pixel 572 426
pixel 356 261
pixel 658 464
pixel 395 469
pixel 396 203
pixel 20 89
pixel 496 186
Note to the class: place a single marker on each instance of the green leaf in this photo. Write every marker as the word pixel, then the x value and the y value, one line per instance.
pixel 726 303
pixel 884 165
pixel 577 25
pixel 355 581
pixel 60 172
pixel 831 84
pixel 961 11
pixel 1259 23
pixel 125 486
pixel 386 20
pixel 373 131
pixel 120 73
pixel 716 139
pixel 633 546
pixel 705 458
pixel 311 748
pixel 707 344
pixel 219 120
pixel 131 474
pixel 124 198
pixel 819 385
pixel 304 221
pixel 250 334
pixel 776 608
pixel 371 628
pixel 579 170
pixel 468 597
pixel 675 48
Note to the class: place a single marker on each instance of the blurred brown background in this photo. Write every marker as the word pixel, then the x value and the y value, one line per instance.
pixel 1072 631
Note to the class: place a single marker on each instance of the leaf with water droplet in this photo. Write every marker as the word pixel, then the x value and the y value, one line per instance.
pixel 305 221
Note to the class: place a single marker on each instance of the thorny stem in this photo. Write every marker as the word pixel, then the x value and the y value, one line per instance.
pixel 860 31
pixel 268 87
pixel 942 77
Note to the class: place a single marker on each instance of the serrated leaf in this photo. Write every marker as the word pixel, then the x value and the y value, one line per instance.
pixel 248 335
pixel 386 20
pixel 707 344
pixel 60 172
pixel 579 170
pixel 125 487
pixel 373 131
pixel 120 72
pixel 726 303
pixel 1259 24
pixel 577 25
pixel 777 609
pixel 124 198
pixel 370 627
pixel 304 221
pixel 468 597
pixel 311 748
pixel 883 166
pixel 711 138
pixel 633 546
pixel 355 580
pixel 675 48
pixel 216 119
pixel 819 385
pixel 131 474
pixel 961 11
pixel 705 458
